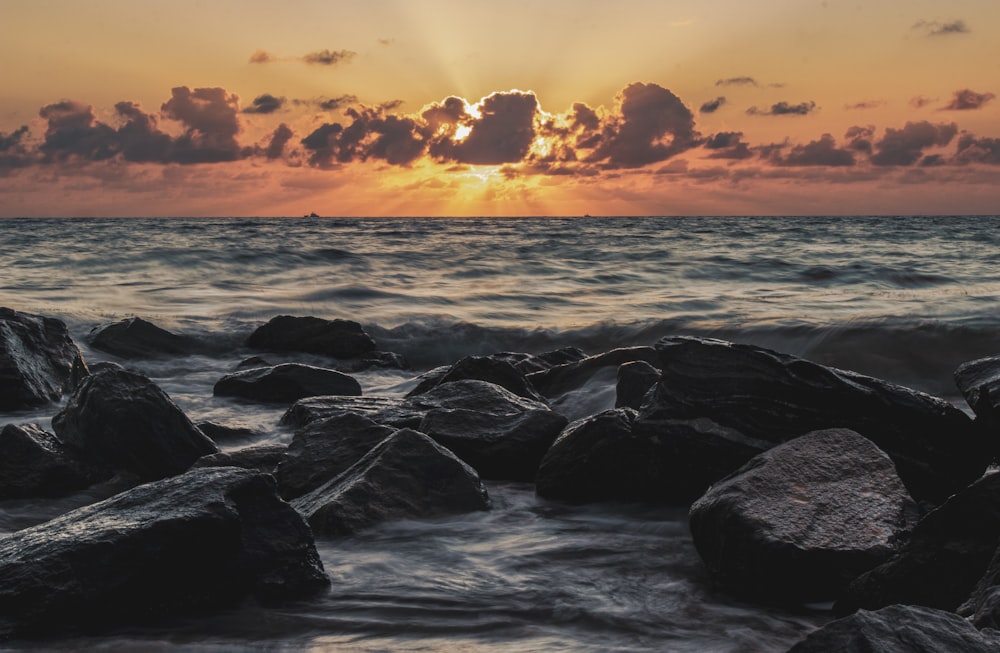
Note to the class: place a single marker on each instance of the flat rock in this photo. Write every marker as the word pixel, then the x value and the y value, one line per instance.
pixel 801 520
pixel 336 338
pixel 122 420
pixel 134 337
pixel 39 362
pixel 899 629
pixel 406 476
pixel 34 463
pixel 201 541
pixel 262 458
pixel 285 383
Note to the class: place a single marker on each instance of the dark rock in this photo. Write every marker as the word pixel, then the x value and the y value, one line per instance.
pixel 635 379
pixel 325 448
pixel 383 410
pixel 979 383
pixel 983 607
pixel 228 434
pixel 134 337
pixel 286 383
pixel 503 447
pixel 204 540
pixel 123 420
pixel 34 463
pixel 252 363
pixel 38 360
pixel 942 559
pixel 801 520
pixel 899 629
pixel 485 368
pixel 571 376
pixel 405 476
pixel 549 359
pixel 770 397
pixel 385 360
pixel 428 380
pixel 262 458
pixel 336 338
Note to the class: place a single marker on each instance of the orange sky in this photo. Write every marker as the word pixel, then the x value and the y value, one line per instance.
pixel 564 107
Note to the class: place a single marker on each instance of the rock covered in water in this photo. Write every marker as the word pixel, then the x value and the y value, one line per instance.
pixel 770 398
pixel 226 433
pixel 801 520
pixel 39 362
pixel 34 463
pixel 287 382
pixel 406 476
pixel 325 448
pixel 121 419
pixel 262 458
pixel 635 379
pixel 899 629
pixel 202 540
pixel 383 410
pixel 941 560
pixel 134 337
pixel 336 338
pixel 483 368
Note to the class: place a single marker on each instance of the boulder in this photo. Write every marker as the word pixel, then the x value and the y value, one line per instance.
pixel 801 520
pixel 942 559
pixel 635 379
pixel 336 338
pixel 547 360
pixel 770 398
pixel 406 476
pixel 134 337
pixel 898 629
pixel 34 463
pixel 383 410
pixel 983 607
pixel 204 540
pixel 484 368
pixel 39 362
pixel 227 434
pixel 979 383
pixel 122 420
pixel 560 379
pixel 501 447
pixel 325 448
pixel 262 458
pixel 284 383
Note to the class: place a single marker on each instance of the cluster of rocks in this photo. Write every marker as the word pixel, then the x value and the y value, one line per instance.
pixel 805 483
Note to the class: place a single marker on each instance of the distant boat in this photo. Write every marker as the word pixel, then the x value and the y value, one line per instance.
pixel 311 215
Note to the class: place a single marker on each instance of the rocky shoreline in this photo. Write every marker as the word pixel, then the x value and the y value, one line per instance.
pixel 805 483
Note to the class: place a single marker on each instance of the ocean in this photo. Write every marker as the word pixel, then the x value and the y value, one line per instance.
pixel 903 298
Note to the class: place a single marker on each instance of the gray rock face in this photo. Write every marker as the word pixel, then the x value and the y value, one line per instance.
pixel 898 629
pixel 324 449
pixel 34 463
pixel 262 458
pixel 134 337
pixel 484 368
pixel 336 338
pixel 406 476
pixel 383 410
pixel 199 541
pixel 286 383
pixel 801 520
pixel 942 559
pixel 772 397
pixel 634 380
pixel 39 362
pixel 123 420
pixel 503 447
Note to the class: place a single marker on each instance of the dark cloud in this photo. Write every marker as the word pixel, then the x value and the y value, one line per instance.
pixel 265 103
pixel 74 132
pixel 329 57
pixel 260 56
pixel 934 28
pixel 371 134
pixel 503 132
pixel 784 109
pixel 727 145
pixel 903 147
pixel 859 138
pixel 919 101
pixel 865 104
pixel 978 150
pixel 823 152
pixel 211 118
pixel 139 138
pixel 13 151
pixel 712 105
pixel 737 81
pixel 966 100
pixel 276 147
pixel 322 144
pixel 653 125
pixel 327 103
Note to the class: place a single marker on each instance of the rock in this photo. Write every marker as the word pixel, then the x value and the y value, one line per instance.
pixel 38 360
pixel 287 382
pixel 979 383
pixel 570 376
pixel 336 338
pixel 939 564
pixel 34 463
pixel 801 520
pixel 201 541
pixel 383 410
pixel 325 448
pixel 252 363
pixel 262 458
pixel 406 476
pixel 228 434
pixel 983 607
pixel 635 379
pixel 501 447
pixel 770 398
pixel 134 337
pixel 549 359
pixel 898 629
pixel 123 420
pixel 485 368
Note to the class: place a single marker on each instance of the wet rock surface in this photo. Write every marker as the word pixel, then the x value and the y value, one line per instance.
pixel 285 383
pixel 34 463
pixel 39 362
pixel 135 337
pixel 262 458
pixel 335 338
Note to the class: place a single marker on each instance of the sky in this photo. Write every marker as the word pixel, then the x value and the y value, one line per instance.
pixel 473 108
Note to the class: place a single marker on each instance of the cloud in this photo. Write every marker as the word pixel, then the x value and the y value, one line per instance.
pixel 865 104
pixel 329 57
pixel 823 152
pixel 727 145
pixel 260 56
pixel 737 81
pixel 327 103
pixel 784 109
pixel 903 147
pixel 712 105
pixel 279 138
pixel 371 134
pixel 265 103
pixel 935 28
pixel 210 116
pixel 919 101
pixel 139 138
pixel 978 150
pixel 502 133
pixel 859 138
pixel 966 99
pixel 74 132
pixel 13 151
pixel 385 41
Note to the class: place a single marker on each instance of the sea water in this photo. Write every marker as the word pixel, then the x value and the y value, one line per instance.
pixel 903 298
